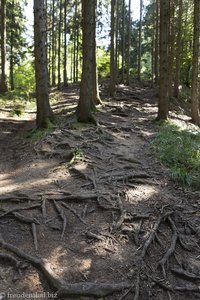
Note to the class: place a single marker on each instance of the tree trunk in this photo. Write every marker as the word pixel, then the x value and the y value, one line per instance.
pixel 44 112
pixel 140 42
pixel 86 100
pixel 129 44
pixel 178 50
pixel 3 83
pixel 112 86
pixel 59 44
pixel 123 41
pixel 12 86
pixel 171 47
pixel 65 45
pixel 156 53
pixel 53 76
pixel 195 65
pixel 163 103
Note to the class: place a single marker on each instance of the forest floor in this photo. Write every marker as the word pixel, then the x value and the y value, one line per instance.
pixel 90 211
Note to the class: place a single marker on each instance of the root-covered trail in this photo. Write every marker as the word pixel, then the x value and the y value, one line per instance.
pixel 89 212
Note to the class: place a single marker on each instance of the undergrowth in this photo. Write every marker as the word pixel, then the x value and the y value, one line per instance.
pixel 179 150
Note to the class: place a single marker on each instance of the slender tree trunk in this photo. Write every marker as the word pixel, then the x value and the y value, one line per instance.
pixel 140 42
pixel 178 50
pixel 59 44
pixel 75 41
pixel 123 41
pixel 163 103
pixel 112 86
pixel 156 58
pixel 44 112
pixel 171 47
pixel 195 65
pixel 65 45
pixel 53 67
pixel 96 96
pixel 3 83
pixel 12 86
pixel 129 44
pixel 117 43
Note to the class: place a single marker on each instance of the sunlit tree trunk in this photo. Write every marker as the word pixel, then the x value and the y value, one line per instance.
pixel 195 65
pixel 3 83
pixel 44 112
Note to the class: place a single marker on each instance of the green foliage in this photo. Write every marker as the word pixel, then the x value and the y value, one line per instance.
pixel 103 60
pixel 179 150
pixel 24 77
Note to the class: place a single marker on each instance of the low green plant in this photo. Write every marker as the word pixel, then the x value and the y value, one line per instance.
pixel 39 133
pixel 179 150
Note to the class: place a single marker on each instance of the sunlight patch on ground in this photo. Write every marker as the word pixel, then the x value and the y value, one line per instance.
pixel 141 193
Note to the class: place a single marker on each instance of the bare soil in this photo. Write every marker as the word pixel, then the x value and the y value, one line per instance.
pixel 95 203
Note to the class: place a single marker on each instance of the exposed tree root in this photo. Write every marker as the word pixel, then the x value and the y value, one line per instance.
pixel 171 249
pixel 63 288
pixel 74 212
pixel 18 209
pixel 34 231
pixel 63 218
pixel 185 274
pixel 25 219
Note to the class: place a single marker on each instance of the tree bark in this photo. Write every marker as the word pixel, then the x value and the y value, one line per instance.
pixel 44 112
pixel 195 65
pixel 86 100
pixel 178 50
pixel 3 83
pixel 140 42
pixel 112 86
pixel 163 103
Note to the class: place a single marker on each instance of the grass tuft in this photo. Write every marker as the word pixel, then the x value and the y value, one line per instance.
pixel 179 150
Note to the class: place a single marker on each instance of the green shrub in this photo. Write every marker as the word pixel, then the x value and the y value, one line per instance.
pixel 179 150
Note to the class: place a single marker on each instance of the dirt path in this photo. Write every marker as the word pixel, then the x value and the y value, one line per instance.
pixel 111 217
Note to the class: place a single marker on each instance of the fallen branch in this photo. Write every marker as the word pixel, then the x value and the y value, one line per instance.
pixel 63 288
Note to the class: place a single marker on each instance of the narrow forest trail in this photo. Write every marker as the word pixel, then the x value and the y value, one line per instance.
pixel 111 217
